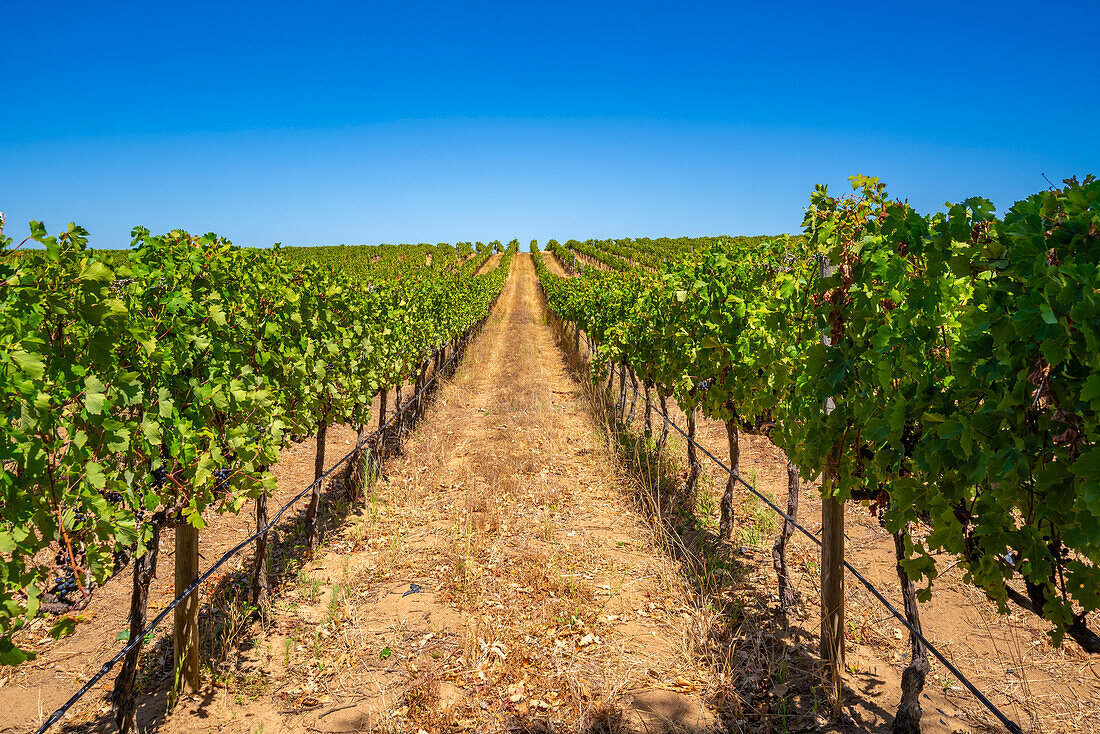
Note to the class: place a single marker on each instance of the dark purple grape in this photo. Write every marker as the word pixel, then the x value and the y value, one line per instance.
pixel 221 485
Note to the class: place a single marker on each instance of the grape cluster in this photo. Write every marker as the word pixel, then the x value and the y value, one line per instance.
pixel 65 586
pixel 221 485
pixel 160 475
pixel 117 499
pixel 65 583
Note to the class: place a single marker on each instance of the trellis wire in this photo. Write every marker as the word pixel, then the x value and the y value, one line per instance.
pixel 1009 723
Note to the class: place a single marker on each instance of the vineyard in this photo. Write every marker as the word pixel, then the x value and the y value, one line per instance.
pixel 845 480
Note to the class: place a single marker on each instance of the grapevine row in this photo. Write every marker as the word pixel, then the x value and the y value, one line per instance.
pixel 152 393
pixel 944 369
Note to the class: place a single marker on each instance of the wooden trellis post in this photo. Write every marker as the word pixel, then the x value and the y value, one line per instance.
pixel 832 556
pixel 185 637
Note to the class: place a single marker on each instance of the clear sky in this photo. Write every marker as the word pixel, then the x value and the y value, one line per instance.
pixel 324 123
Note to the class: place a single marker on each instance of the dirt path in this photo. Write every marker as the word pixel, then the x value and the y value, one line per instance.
pixel 552 262
pixel 497 577
pixel 490 264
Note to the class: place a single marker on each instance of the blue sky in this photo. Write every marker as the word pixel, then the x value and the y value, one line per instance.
pixel 323 123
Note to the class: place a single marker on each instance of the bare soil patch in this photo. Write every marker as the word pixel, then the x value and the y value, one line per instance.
pixel 552 262
pixel 490 264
